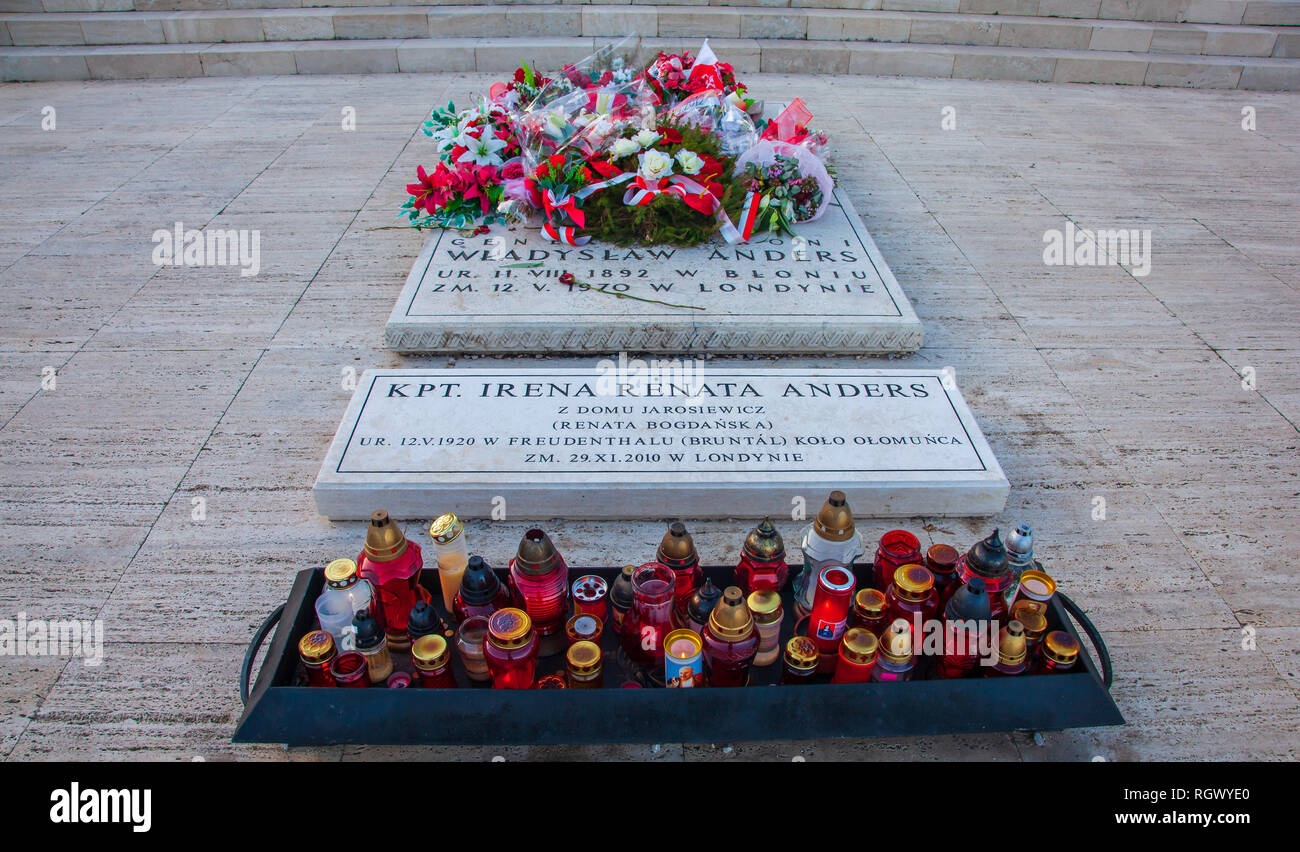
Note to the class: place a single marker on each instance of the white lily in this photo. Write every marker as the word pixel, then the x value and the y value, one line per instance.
pixel 483 150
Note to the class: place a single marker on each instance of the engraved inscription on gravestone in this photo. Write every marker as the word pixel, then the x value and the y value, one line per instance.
pixel 594 443
pixel 828 289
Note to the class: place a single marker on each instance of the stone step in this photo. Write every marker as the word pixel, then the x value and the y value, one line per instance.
pixel 259 25
pixel 364 56
pixel 1248 12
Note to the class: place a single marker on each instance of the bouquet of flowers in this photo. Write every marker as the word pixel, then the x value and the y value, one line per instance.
pixel 622 150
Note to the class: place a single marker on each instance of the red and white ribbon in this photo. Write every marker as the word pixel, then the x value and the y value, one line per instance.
pixel 551 202
pixel 748 217
pixel 643 191
pixel 564 234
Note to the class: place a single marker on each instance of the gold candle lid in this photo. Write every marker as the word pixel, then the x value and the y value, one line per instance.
pixel 536 553
pixel 1027 604
pixel 859 646
pixel 384 540
pixel 943 556
pixel 896 642
pixel 731 620
pixel 445 528
pixel 764 543
pixel 430 652
pixel 915 581
pixel 835 520
pixel 1037 585
pixel 1012 648
pixel 341 573
pixel 801 653
pixel 1033 621
pixel 584 658
pixel 870 603
pixel 1060 647
pixel 509 628
pixel 765 604
pixel 677 548
pixel 316 647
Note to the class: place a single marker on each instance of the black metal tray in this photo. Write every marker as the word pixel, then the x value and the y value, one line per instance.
pixel 280 711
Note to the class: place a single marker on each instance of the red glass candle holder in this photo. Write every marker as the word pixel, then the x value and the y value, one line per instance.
pixel 912 593
pixel 941 559
pixel 650 618
pixel 870 611
pixel 960 650
pixel 398 680
pixel 677 551
pixel 858 651
pixel 896 549
pixel 392 565
pixel 730 641
pixel 762 560
pixel 431 659
pixel 540 582
pixel 590 595
pixel 830 612
pixel 316 651
pixel 799 661
pixel 511 649
pixel 987 559
pixel 349 669
pixel 1057 654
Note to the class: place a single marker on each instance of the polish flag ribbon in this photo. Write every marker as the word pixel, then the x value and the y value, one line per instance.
pixel 564 234
pixel 698 197
pixel 748 217
pixel 563 201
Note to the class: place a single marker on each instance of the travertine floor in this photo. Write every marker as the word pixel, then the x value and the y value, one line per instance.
pixel 1093 385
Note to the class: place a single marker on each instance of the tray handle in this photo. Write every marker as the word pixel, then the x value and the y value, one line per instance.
pixel 246 670
pixel 1103 653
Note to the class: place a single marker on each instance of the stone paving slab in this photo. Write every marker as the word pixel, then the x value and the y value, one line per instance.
pixel 1089 383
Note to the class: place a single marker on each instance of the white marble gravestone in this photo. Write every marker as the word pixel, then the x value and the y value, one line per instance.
pixel 624 440
pixel 828 290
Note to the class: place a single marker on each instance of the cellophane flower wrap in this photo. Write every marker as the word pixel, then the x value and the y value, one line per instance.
pixel 622 148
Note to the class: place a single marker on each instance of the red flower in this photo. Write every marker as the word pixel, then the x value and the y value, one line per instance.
pixel 606 169
pixel 512 170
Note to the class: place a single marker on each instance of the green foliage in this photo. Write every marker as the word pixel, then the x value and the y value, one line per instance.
pixel 666 220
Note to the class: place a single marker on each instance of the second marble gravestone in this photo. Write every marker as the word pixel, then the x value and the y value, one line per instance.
pixel 702 442
pixel 828 290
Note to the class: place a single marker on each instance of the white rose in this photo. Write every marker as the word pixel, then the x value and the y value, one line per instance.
pixel 646 138
pixel 690 162
pixel 655 165
pixel 624 148
pixel 600 128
